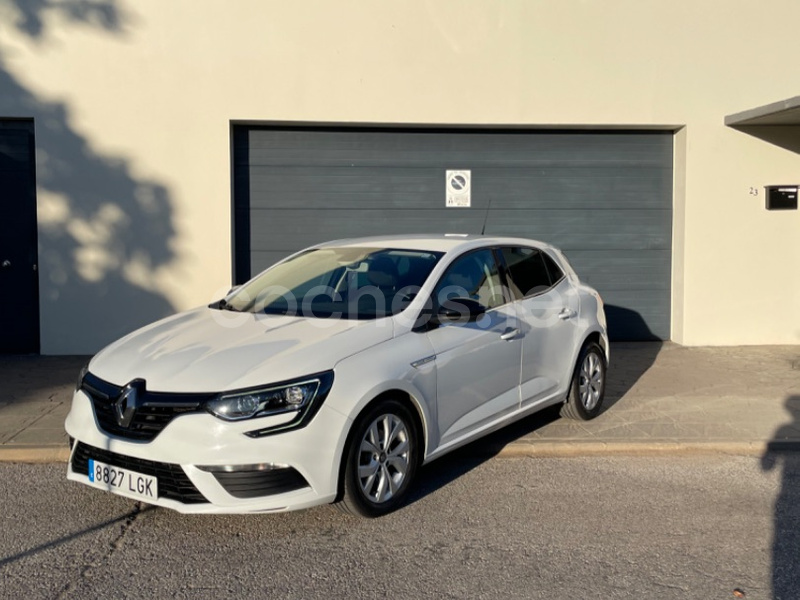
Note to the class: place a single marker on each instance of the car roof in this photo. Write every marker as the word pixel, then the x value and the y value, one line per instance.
pixel 445 242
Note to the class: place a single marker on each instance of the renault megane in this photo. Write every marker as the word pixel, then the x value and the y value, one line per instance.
pixel 335 374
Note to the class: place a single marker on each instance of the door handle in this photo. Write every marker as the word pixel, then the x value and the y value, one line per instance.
pixel 565 314
pixel 509 334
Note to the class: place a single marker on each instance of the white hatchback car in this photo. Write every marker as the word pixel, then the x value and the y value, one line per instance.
pixel 333 375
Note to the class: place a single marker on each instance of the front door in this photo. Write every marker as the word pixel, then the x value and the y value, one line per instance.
pixel 477 363
pixel 19 281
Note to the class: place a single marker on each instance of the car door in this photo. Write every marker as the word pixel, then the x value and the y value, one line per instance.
pixel 477 363
pixel 547 307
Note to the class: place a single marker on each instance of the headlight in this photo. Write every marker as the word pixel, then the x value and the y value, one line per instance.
pixel 261 403
pixel 302 397
pixel 81 375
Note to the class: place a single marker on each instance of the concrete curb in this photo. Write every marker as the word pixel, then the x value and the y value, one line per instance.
pixel 543 449
pixel 34 454
pixel 643 448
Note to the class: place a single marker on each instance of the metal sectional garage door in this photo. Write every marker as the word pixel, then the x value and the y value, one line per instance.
pixel 604 197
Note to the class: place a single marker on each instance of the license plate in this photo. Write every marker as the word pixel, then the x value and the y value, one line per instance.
pixel 122 481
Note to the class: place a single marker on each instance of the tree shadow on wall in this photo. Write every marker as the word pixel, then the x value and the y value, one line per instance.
pixel 103 232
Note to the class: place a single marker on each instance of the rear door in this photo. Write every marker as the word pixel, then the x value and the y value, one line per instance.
pixel 477 363
pixel 548 307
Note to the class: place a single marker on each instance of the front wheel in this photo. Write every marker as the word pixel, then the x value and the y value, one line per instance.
pixel 381 460
pixel 588 387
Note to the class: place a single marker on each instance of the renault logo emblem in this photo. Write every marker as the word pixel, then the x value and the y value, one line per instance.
pixel 128 401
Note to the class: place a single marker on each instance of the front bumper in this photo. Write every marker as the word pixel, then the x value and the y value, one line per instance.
pixel 184 456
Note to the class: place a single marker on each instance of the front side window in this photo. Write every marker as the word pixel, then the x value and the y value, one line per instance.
pixel 349 283
pixel 474 276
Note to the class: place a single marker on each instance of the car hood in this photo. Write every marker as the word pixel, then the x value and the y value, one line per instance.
pixel 208 350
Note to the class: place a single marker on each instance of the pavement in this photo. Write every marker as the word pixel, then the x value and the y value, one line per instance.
pixel 660 398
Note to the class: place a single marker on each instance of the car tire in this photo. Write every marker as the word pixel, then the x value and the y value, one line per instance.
pixel 381 460
pixel 588 386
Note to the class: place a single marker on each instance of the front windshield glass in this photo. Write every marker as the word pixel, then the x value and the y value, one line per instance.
pixel 345 283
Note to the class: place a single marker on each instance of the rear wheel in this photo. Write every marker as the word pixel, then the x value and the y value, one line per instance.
pixel 381 460
pixel 585 398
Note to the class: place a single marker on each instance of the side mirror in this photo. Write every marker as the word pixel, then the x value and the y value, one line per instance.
pixel 460 310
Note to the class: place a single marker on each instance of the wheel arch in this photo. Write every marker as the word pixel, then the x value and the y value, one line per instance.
pixel 420 424
pixel 600 340
pixel 570 407
pixel 595 335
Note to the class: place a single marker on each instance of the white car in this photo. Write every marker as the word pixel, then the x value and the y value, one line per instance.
pixel 333 375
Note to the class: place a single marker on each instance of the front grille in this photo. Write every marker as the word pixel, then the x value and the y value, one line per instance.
pixel 172 480
pixel 153 412
pixel 257 483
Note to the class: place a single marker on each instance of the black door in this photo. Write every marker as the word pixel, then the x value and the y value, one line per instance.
pixel 19 282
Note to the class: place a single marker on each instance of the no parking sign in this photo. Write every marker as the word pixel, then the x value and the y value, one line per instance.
pixel 458 183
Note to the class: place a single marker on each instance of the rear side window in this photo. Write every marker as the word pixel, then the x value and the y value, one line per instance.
pixel 556 274
pixel 527 271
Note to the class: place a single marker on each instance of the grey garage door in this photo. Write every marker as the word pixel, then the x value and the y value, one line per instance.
pixel 604 197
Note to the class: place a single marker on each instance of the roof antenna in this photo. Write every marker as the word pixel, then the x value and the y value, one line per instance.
pixel 486 217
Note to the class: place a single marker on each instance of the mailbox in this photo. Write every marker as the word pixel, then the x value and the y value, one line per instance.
pixel 782 197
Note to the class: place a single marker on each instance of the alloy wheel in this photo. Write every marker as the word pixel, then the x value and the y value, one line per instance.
pixel 383 458
pixel 591 381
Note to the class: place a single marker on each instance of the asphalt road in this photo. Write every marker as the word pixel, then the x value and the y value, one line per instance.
pixel 613 527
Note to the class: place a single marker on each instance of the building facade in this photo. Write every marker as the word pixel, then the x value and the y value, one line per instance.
pixel 155 153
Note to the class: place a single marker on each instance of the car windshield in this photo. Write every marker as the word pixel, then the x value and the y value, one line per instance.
pixel 344 283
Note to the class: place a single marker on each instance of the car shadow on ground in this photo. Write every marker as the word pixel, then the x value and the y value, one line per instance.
pixel 630 360
pixel 454 465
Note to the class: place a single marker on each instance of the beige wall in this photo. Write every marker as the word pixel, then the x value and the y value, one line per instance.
pixel 133 126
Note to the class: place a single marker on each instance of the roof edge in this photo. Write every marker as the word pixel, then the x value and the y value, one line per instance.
pixel 753 115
